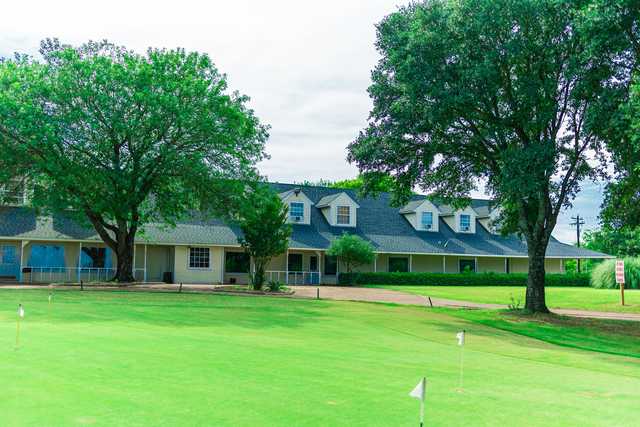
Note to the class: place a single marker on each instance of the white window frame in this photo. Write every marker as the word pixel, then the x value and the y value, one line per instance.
pixel 199 248
pixel 348 215
pixel 422 224
pixel 460 223
pixel 291 215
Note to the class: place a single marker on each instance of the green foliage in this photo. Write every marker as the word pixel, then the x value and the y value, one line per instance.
pixel 120 139
pixel 265 232
pixel 586 265
pixel 624 241
pixel 367 183
pixel 509 92
pixel 604 275
pixel 459 279
pixel 352 251
pixel 276 286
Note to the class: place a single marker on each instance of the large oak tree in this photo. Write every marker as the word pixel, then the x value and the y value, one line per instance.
pixel 501 91
pixel 120 139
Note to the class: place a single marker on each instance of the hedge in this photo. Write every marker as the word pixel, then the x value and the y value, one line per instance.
pixel 458 279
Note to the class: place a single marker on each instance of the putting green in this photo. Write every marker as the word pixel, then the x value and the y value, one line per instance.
pixel 142 359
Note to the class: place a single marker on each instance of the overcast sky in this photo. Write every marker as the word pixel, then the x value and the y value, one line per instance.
pixel 305 64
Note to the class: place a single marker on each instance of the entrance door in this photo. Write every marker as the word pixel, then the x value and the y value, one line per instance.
pixel 314 273
pixel 467 266
pixel 9 265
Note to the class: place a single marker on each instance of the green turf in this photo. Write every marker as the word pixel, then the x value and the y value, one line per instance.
pixel 557 297
pixel 141 359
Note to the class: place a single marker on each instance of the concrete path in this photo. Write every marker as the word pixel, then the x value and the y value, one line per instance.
pixel 397 297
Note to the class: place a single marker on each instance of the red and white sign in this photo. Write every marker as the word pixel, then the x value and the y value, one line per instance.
pixel 620 271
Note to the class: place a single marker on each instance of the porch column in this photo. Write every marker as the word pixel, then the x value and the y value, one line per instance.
pixel 80 262
pixel 375 263
pixel 145 264
pixel 410 263
pixel 561 265
pixel 475 261
pixel 506 265
pixel 444 264
pixel 22 245
pixel 286 267
pixel 319 267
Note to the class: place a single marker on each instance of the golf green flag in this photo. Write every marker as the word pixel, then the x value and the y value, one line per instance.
pixel 419 393
pixel 460 337
pixel 20 310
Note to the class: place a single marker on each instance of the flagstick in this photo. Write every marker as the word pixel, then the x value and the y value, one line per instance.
pixel 422 413
pixel 18 333
pixel 461 366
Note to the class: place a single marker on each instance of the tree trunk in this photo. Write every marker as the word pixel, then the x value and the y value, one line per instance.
pixel 124 270
pixel 535 300
pixel 257 282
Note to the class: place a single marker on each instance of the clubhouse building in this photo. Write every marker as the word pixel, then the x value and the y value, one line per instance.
pixel 421 236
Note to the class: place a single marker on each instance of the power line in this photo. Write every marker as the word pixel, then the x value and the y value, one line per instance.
pixel 577 222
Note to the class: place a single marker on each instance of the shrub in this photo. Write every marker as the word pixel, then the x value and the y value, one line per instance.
pixel 275 286
pixel 459 279
pixel 604 275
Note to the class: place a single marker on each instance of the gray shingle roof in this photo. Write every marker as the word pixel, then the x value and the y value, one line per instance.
pixel 377 222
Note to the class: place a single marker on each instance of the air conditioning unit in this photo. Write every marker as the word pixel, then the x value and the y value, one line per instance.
pixel 465 228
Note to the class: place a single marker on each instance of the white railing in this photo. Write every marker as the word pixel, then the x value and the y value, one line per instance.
pixel 73 274
pixel 293 277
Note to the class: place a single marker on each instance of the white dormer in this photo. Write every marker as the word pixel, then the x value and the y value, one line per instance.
pixel 465 220
pixel 422 215
pixel 298 205
pixel 339 209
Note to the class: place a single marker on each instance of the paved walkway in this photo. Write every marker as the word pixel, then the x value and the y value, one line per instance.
pixel 341 293
pixel 397 297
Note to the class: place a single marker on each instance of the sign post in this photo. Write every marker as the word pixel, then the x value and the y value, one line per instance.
pixel 620 278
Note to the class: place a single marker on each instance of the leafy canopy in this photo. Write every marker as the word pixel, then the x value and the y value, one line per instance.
pixel 122 139
pixel 511 93
pixel 352 251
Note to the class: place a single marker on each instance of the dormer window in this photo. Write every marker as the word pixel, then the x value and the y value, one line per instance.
pixel 465 222
pixel 426 220
pixel 343 215
pixel 296 211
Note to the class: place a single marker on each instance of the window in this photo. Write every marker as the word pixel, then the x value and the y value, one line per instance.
pixel 93 257
pixel 49 256
pixel 295 262
pixel 427 220
pixel 199 258
pixel 296 211
pixel 344 215
pixel 237 262
pixel 330 265
pixel 313 263
pixel 398 265
pixel 465 222
pixel 467 266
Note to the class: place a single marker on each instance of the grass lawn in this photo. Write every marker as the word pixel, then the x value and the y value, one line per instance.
pixel 557 297
pixel 143 359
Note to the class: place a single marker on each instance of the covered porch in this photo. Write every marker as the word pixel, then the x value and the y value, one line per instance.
pixel 49 261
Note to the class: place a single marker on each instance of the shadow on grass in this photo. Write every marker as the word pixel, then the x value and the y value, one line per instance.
pixel 615 337
pixel 162 308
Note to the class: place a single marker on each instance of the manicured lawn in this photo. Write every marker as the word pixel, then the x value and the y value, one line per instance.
pixel 557 297
pixel 134 359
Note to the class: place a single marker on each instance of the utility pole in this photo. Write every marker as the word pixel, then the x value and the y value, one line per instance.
pixel 577 222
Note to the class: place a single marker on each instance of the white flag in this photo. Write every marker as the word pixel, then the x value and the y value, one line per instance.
pixel 419 391
pixel 460 337
pixel 20 311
